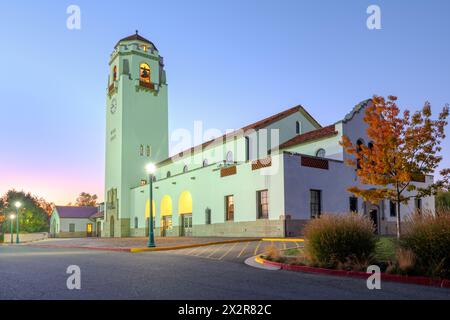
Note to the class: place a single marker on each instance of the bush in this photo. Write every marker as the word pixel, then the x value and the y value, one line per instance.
pixel 342 241
pixel 272 253
pixel 428 237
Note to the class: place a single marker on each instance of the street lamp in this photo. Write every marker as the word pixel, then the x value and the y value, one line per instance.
pixel 11 218
pixel 17 205
pixel 150 169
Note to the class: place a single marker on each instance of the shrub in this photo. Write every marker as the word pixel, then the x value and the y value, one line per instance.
pixel 340 241
pixel 272 253
pixel 428 237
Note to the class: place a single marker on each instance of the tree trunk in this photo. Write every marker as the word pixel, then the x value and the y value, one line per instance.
pixel 399 226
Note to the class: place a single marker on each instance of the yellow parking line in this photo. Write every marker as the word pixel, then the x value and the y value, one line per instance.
pixel 229 250
pixel 212 252
pixel 243 249
pixel 192 250
pixel 257 247
pixel 284 239
pixel 202 250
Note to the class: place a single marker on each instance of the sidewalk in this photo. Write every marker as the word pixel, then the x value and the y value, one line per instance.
pixel 135 244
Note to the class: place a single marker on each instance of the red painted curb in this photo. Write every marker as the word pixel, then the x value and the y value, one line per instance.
pixel 81 247
pixel 426 281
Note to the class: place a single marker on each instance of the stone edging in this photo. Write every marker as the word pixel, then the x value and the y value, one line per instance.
pixel 426 281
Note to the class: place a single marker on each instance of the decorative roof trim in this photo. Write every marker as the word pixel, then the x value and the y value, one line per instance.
pixel 356 109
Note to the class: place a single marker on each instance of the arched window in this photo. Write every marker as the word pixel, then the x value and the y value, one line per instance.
pixel 205 163
pixel 320 153
pixel 141 150
pixel 185 169
pixel 359 144
pixel 144 73
pixel 115 73
pixel 136 222
pixel 298 127
pixel 229 157
pixel 168 174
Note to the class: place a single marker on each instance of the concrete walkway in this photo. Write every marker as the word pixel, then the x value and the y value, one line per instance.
pixel 135 244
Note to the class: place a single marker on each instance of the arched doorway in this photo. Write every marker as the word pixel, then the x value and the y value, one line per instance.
pixel 111 227
pixel 147 216
pixel 166 215
pixel 185 212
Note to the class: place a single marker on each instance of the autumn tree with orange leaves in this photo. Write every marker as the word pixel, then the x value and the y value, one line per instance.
pixel 404 148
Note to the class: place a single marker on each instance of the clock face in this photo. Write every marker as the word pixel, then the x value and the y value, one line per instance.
pixel 113 106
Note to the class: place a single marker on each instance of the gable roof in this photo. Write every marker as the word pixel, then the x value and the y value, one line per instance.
pixel 254 126
pixel 310 136
pixel 76 212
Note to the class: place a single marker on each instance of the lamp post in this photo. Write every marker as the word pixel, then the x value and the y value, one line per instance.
pixel 17 205
pixel 11 218
pixel 151 169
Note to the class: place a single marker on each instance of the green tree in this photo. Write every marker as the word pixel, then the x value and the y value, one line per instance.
pixel 32 217
pixel 443 201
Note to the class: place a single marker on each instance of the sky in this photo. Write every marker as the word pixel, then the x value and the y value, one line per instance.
pixel 229 63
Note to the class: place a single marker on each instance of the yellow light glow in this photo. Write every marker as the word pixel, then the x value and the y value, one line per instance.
pixel 147 209
pixel 166 206
pixel 185 203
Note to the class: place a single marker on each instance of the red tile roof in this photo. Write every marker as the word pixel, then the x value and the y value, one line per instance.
pixel 309 136
pixel 254 126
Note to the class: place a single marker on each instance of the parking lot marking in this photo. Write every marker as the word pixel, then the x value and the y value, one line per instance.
pixel 243 249
pixel 227 252
pixel 213 251
pixel 257 247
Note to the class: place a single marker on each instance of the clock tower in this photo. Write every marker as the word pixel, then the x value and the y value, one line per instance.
pixel 136 125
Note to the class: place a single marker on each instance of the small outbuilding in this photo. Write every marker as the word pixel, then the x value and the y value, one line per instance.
pixel 75 222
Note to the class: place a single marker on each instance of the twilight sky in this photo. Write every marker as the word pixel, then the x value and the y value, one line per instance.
pixel 228 62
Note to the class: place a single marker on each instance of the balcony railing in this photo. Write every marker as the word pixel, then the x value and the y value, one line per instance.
pixel 147 85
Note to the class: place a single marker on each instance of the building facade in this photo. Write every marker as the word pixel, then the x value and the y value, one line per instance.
pixel 266 179
pixel 75 222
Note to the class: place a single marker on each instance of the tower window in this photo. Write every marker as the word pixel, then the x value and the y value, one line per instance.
pixel 298 127
pixel 141 150
pixel 115 73
pixel 168 174
pixel 144 73
pixel 185 169
pixel 149 151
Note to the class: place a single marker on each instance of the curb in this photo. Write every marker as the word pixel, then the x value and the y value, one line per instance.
pixel 426 281
pixel 186 246
pixel 284 239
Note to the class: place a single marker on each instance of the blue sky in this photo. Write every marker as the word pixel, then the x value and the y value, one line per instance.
pixel 229 63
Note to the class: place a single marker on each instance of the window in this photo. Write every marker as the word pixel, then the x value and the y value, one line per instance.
pixel 229 208
pixel 185 169
pixel 115 73
pixel 359 144
pixel 136 222
pixel 247 148
pixel 320 153
pixel 229 157
pixel 168 174
pixel 298 127
pixel 418 203
pixel 71 227
pixel 149 151
pixel 316 203
pixel 208 216
pixel 392 209
pixel 353 204
pixel 141 150
pixel 263 204
pixel 144 73
pixel 205 163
